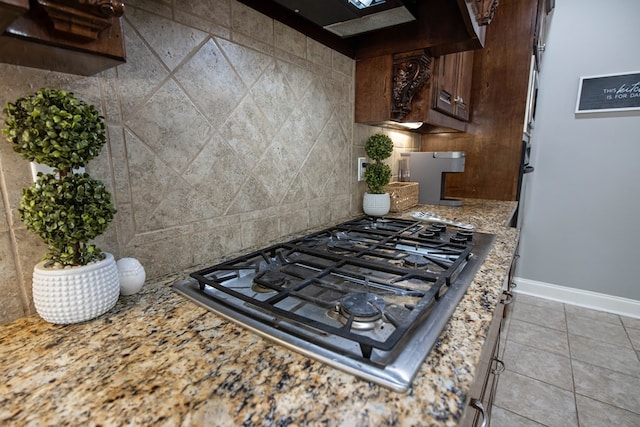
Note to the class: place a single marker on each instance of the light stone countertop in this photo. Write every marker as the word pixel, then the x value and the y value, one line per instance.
pixel 159 359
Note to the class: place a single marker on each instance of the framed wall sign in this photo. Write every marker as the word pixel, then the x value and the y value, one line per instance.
pixel 610 92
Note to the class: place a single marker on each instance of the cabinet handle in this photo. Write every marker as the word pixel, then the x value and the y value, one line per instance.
pixel 512 285
pixel 542 47
pixel 509 297
pixel 459 100
pixel 499 366
pixel 476 404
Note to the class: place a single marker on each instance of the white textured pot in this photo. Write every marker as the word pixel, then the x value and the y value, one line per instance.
pixel 77 294
pixel 376 204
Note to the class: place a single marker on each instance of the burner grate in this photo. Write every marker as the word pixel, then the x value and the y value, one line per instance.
pixel 298 281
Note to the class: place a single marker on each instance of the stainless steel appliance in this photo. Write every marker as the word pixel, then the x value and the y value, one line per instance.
pixel 529 121
pixel 369 296
pixel 429 169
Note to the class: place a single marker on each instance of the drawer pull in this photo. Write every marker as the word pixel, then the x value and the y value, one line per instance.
pixel 499 366
pixel 509 297
pixel 477 404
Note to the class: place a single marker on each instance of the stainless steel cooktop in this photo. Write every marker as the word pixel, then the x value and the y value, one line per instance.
pixel 369 296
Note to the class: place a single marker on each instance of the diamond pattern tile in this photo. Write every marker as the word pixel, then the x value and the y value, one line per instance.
pixel 248 63
pixel 273 96
pixel 212 83
pixel 172 127
pixel 140 75
pixel 171 41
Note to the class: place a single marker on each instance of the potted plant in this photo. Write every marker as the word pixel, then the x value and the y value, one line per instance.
pixel 377 174
pixel 76 281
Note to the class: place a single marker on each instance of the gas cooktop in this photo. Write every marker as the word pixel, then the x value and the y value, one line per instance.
pixel 369 296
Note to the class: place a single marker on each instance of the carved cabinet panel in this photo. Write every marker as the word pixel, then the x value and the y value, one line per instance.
pixel 398 91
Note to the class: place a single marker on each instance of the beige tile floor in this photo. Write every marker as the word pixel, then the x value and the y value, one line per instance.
pixel 567 366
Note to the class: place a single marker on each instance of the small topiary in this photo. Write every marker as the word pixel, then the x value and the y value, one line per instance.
pixel 378 174
pixel 64 208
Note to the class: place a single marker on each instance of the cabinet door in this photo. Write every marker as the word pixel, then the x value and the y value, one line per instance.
pixel 453 84
pixel 445 83
pixel 463 86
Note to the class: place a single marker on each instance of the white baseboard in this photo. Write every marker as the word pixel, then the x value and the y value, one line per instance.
pixel 579 297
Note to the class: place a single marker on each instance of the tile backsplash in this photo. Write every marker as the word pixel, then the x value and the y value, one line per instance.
pixel 226 131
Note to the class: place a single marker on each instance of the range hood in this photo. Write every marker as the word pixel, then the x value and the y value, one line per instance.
pixel 346 18
pixel 369 28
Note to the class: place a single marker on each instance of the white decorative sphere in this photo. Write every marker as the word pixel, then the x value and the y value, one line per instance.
pixel 131 274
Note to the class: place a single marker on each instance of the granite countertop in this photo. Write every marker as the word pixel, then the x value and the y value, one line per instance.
pixel 157 358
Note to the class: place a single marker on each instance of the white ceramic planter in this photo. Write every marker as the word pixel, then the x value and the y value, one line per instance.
pixel 77 294
pixel 376 204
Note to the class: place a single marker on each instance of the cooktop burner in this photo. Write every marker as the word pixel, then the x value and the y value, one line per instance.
pixel 369 296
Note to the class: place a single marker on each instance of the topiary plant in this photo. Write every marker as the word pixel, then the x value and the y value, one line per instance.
pixel 64 208
pixel 378 174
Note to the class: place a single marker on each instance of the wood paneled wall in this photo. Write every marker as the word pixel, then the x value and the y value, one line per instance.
pixel 493 142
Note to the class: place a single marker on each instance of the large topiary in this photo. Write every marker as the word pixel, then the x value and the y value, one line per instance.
pixel 64 208
pixel 378 174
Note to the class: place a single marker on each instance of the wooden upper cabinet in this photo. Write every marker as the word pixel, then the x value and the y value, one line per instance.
pixel 452 84
pixel 71 36
pixel 401 89
pixel 422 72
pixel 442 26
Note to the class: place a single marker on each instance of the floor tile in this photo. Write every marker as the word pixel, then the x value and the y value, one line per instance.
pixel 538 302
pixel 543 316
pixel 550 347
pixel 634 336
pixel 605 355
pixel 541 365
pixel 607 386
pixel 503 418
pixel 593 314
pixel 602 331
pixel 592 413
pixel 538 337
pixel 535 400
pixel 630 322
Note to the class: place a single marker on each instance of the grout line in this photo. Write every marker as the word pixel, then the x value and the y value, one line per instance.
pixel 573 377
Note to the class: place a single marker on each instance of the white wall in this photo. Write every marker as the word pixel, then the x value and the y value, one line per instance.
pixel 582 209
